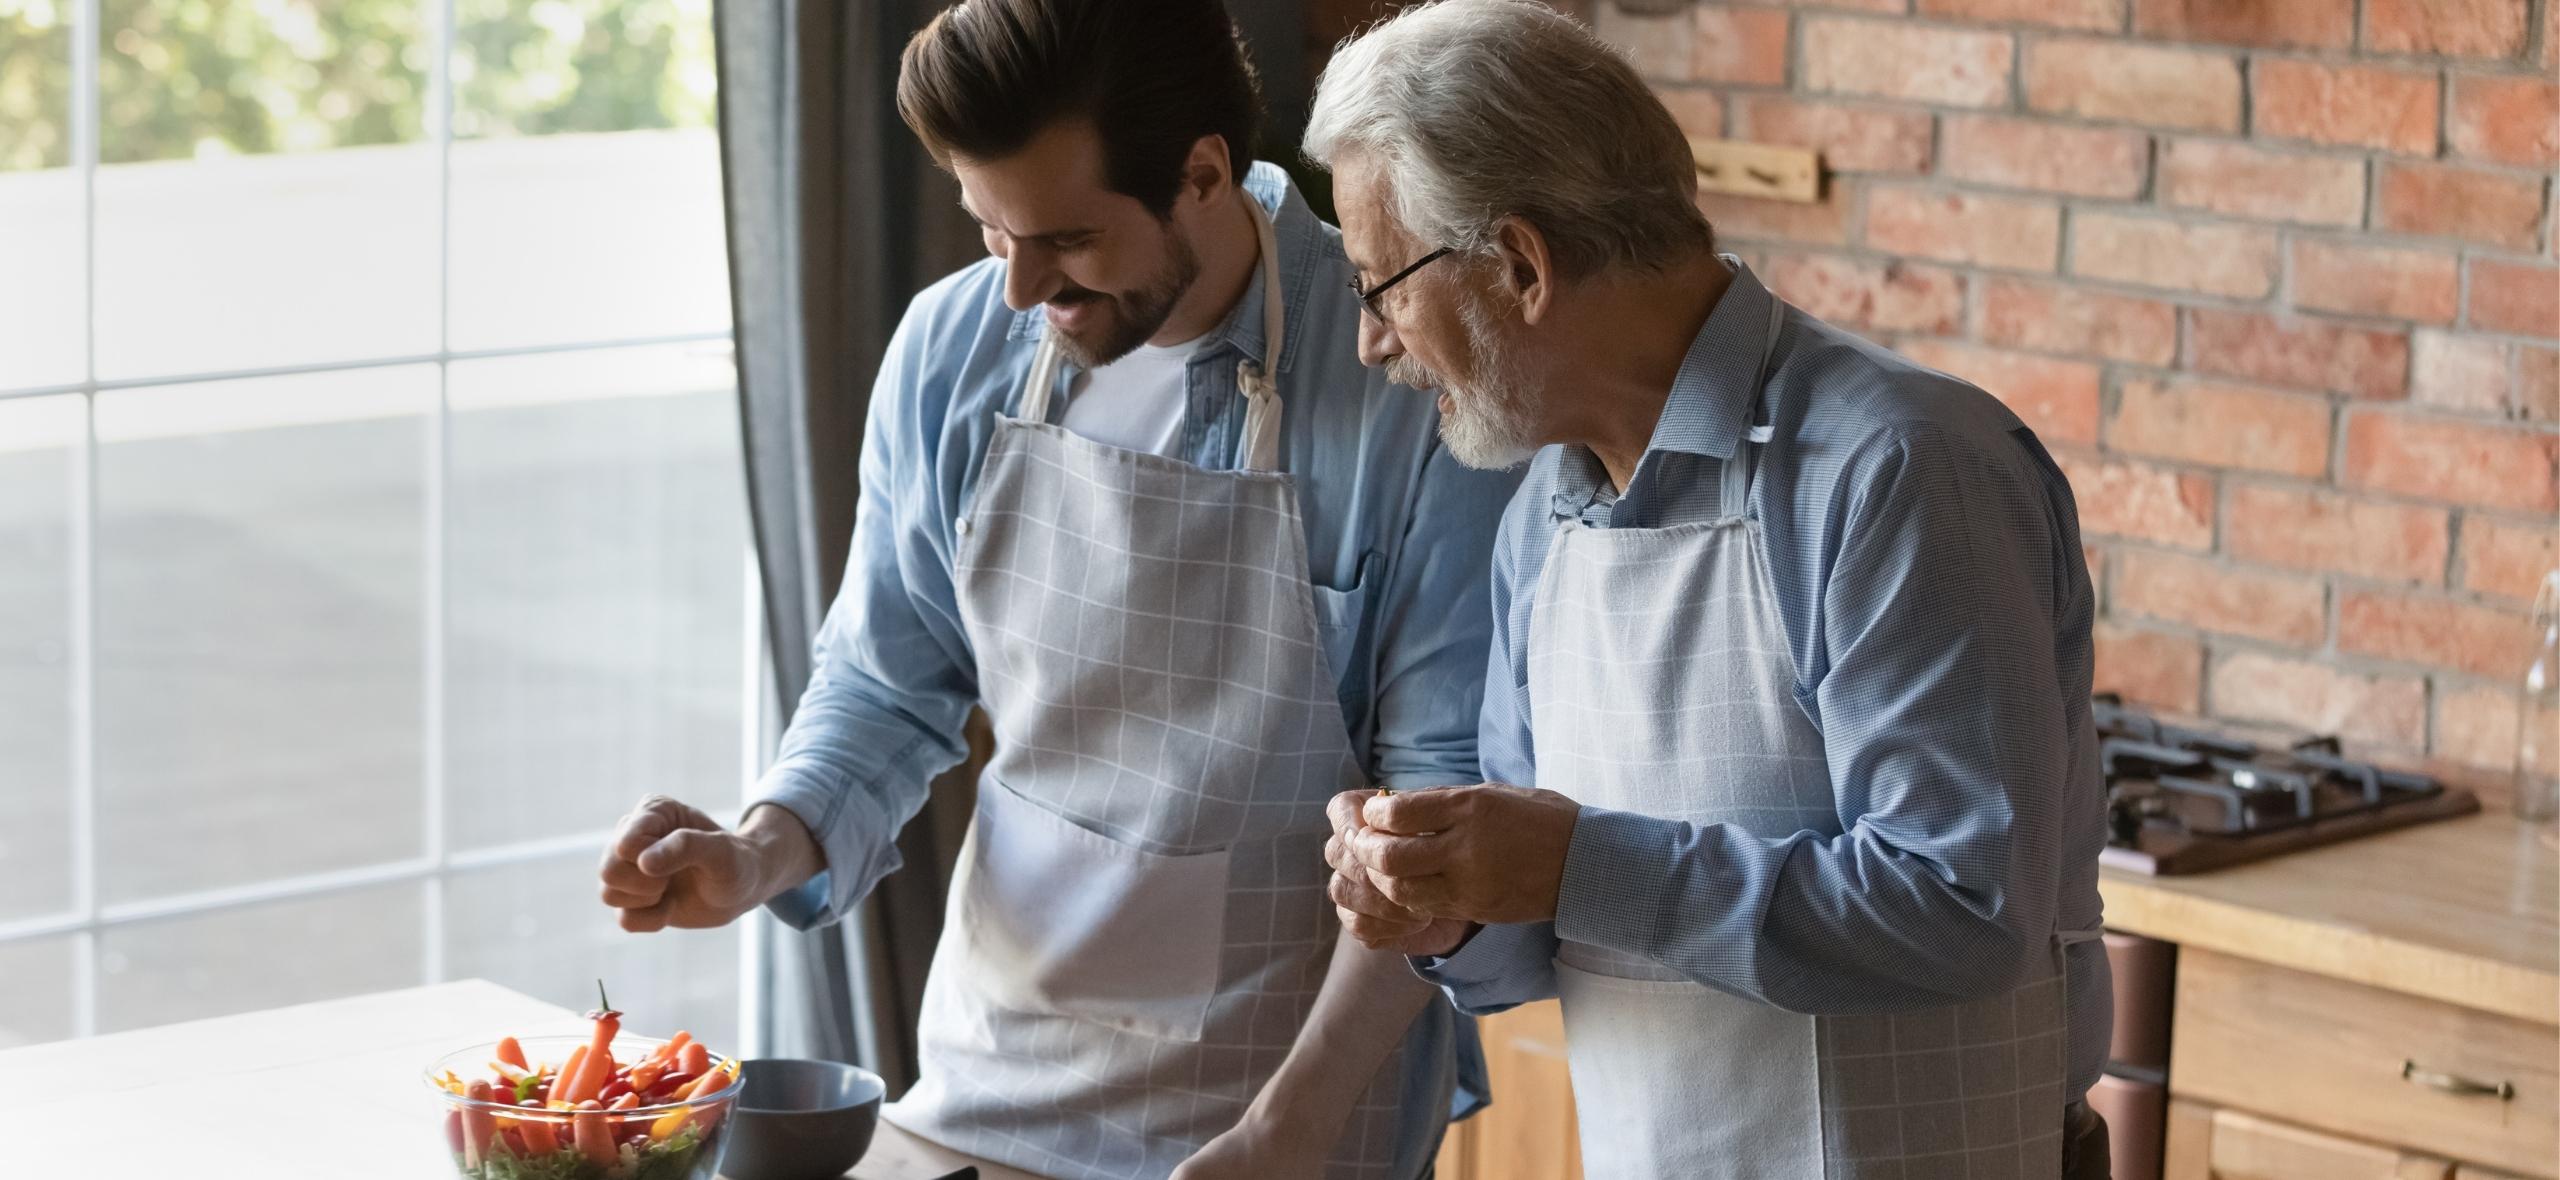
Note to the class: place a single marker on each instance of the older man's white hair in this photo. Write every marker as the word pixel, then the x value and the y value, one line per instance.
pixel 1480 109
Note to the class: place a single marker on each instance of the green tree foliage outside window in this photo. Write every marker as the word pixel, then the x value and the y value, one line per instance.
pixel 185 78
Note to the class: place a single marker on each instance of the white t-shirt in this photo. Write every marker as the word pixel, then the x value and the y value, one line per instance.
pixel 1136 402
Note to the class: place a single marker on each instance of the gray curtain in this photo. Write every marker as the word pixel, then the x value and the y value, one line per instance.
pixel 836 219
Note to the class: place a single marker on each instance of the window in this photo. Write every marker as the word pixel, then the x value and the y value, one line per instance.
pixel 372 530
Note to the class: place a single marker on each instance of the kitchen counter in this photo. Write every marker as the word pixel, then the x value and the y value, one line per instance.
pixel 312 1092
pixel 2465 911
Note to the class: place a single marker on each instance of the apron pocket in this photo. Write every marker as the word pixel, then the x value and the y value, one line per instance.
pixel 1675 1079
pixel 1069 922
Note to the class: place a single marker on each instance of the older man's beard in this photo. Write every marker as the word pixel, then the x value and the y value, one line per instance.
pixel 1489 425
pixel 1137 315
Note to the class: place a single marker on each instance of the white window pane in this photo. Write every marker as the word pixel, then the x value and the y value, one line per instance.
pixel 35 991
pixel 264 956
pixel 266 261
pixel 539 929
pixel 260 557
pixel 44 302
pixel 597 525
pixel 569 238
pixel 39 440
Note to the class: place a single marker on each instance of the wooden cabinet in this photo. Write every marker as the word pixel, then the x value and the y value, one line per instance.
pixel 2360 1061
pixel 1528 1134
pixel 2206 1143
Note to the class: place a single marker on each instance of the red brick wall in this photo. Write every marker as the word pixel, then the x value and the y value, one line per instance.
pixel 2275 280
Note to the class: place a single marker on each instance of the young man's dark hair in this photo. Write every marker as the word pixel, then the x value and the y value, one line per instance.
pixel 1152 76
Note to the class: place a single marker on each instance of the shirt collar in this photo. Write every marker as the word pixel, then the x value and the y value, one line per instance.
pixel 1293 227
pixel 1711 397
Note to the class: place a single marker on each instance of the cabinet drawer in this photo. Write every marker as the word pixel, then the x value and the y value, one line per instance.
pixel 2330 1054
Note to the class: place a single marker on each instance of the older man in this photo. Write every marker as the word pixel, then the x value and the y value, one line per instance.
pixel 1790 664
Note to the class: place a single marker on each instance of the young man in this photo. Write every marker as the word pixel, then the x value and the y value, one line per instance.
pixel 1791 662
pixel 1126 486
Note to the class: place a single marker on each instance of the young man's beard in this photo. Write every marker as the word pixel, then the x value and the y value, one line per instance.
pixel 1489 425
pixel 1135 316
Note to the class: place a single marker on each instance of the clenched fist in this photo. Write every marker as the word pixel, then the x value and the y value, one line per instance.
pixel 672 865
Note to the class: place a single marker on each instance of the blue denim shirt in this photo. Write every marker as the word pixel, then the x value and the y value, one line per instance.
pixel 1399 542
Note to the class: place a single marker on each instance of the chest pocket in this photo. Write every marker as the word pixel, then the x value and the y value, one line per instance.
pixel 1343 633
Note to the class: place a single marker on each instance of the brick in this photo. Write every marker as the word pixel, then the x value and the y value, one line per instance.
pixel 2140 501
pixel 2237 262
pixel 2051 157
pixel 1698 110
pixel 2054 317
pixel 1964 227
pixel 2109 79
pixel 2432 630
pixel 2055 398
pixel 1890 296
pixel 1851 138
pixel 2452 372
pixel 1894 6
pixel 2096 15
pixel 2432 458
pixel 2450 201
pixel 2152 668
pixel 2517 297
pixel 2507 558
pixel 2269 24
pixel 2551 36
pixel 2238 180
pixel 2221 425
pixel 2299 351
pixel 1740 46
pixel 1822 223
pixel 2323 531
pixel 2507 120
pixel 2387 281
pixel 2301 694
pixel 2357 105
pixel 2210 596
pixel 2537 390
pixel 1887 59
pixel 2446 28
pixel 2476 726
pixel 1659 46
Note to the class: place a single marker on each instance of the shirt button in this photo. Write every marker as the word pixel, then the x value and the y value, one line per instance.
pixel 1563 505
pixel 962 525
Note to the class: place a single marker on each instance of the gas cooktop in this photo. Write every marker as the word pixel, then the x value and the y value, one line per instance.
pixel 2182 800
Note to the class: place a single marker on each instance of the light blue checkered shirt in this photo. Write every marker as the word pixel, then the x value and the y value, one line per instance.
pixel 1926 556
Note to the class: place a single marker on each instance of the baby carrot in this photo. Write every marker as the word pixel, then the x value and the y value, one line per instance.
pixel 511 1053
pixel 568 1069
pixel 478 1125
pixel 694 1059
pixel 540 1138
pixel 594 1137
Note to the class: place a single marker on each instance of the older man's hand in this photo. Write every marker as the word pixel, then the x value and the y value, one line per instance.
pixel 1379 924
pixel 1490 854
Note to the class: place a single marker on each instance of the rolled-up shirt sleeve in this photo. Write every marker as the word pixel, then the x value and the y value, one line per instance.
pixel 1943 721
pixel 1434 629
pixel 1501 966
pixel 892 678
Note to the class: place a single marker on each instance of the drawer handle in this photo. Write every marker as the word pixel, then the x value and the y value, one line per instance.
pixel 2452 1084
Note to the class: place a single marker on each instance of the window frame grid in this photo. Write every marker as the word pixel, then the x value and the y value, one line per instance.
pixel 85 920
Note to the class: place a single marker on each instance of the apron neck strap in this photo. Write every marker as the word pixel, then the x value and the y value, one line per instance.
pixel 1735 491
pixel 1261 394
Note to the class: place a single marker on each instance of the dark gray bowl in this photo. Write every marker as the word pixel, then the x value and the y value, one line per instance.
pixel 801 1120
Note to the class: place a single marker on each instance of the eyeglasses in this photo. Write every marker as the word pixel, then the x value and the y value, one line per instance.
pixel 1369 298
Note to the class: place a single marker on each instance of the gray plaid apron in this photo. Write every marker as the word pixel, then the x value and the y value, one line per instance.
pixel 1138 923
pixel 1660 683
